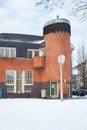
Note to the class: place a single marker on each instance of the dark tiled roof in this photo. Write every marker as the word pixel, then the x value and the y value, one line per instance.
pixel 14 40
pixel 21 42
pixel 42 45
pixel 20 37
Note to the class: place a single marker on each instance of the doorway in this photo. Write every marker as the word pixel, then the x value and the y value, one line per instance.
pixel 54 89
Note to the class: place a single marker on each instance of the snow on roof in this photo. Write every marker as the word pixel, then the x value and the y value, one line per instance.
pixel 56 21
pixel 18 40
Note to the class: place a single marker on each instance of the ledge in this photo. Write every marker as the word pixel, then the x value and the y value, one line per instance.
pixel 39 62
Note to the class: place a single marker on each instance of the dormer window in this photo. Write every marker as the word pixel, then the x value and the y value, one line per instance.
pixel 29 54
pixel 43 52
pixel 35 52
pixel 1 52
pixel 7 52
pixel 32 53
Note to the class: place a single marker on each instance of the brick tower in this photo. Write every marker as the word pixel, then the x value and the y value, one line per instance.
pixel 57 42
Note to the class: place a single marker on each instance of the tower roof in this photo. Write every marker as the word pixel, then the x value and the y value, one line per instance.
pixel 58 20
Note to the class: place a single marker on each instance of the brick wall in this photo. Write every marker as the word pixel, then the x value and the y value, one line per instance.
pixel 56 44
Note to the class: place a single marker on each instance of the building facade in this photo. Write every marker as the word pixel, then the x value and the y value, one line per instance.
pixel 28 64
pixel 79 76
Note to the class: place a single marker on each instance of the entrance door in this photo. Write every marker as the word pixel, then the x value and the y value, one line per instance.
pixel 54 89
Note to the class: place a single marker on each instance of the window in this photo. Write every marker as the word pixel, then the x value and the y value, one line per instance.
pixel 10 81
pixel 12 53
pixel 43 52
pixel 10 77
pixel 29 54
pixel 19 81
pixel 7 52
pixel 36 53
pixel 27 89
pixel 28 78
pixel 10 89
pixel 1 52
pixel 32 53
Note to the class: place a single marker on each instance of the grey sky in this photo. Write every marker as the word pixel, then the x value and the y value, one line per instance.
pixel 21 16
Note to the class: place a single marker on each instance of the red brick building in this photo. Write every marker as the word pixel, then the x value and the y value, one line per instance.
pixel 28 63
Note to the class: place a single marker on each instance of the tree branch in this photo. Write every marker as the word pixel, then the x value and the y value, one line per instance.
pixel 51 3
pixel 79 7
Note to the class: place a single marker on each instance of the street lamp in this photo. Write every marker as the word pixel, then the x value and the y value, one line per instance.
pixel 61 60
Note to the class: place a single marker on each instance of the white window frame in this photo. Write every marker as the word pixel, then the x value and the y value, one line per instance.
pixel 19 81
pixel 11 83
pixel 36 51
pixel 10 87
pixel 28 85
pixel 33 52
pixel 24 78
pixel 23 81
pixel 9 49
pixel 39 50
pixel 14 78
pixel 27 91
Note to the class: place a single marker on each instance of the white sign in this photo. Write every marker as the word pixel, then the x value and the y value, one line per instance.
pixel 75 71
pixel 61 59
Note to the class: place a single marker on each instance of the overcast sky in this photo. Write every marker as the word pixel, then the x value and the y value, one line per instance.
pixel 22 16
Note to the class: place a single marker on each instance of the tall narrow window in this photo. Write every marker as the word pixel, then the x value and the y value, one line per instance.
pixel 6 52
pixel 28 78
pixel 10 81
pixel 13 53
pixel 29 54
pixel 18 81
pixel 43 52
pixel 1 52
pixel 36 53
pixel 10 77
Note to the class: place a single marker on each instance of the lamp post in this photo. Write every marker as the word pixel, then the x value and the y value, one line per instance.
pixel 61 60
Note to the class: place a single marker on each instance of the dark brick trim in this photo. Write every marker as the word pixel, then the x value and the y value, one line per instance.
pixel 56 27
pixel 35 91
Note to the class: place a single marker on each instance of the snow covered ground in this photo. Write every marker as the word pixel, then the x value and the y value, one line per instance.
pixel 43 114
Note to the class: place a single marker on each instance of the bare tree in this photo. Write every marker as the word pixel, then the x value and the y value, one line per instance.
pixel 51 3
pixel 82 63
pixel 78 7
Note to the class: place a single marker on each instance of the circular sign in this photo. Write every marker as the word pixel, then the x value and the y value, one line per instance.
pixel 61 58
